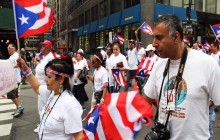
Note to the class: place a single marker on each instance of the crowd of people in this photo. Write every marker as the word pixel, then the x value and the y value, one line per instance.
pixel 184 81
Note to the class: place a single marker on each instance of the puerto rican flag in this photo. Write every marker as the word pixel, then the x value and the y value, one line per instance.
pixel 146 28
pixel 206 46
pixel 216 30
pixel 119 77
pixel 32 17
pixel 145 67
pixel 120 38
pixel 119 118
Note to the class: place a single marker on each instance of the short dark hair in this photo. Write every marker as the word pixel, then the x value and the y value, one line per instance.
pixel 216 44
pixel 116 42
pixel 173 22
pixel 62 66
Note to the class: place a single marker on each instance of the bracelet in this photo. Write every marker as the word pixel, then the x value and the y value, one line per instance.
pixel 29 74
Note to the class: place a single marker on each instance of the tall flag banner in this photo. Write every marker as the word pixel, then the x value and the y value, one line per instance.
pixel 216 29
pixel 119 118
pixel 119 77
pixel 32 17
pixel 120 38
pixel 146 28
pixel 145 67
pixel 206 46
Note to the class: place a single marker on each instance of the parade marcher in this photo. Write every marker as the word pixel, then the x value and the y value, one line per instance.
pixel 13 95
pixel 176 82
pixel 139 45
pixel 216 55
pixel 116 60
pixel 99 79
pixel 61 116
pixel 150 49
pixel 78 88
pixel 46 47
pixel 132 63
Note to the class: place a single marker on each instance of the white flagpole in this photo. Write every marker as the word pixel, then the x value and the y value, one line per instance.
pixel 140 26
pixel 18 41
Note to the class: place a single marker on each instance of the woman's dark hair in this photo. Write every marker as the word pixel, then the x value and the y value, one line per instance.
pixel 99 55
pixel 62 66
pixel 117 42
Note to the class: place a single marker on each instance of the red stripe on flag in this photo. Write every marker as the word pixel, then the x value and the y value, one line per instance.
pixel 96 136
pixel 108 126
pixel 85 137
pixel 27 3
pixel 122 100
pixel 143 107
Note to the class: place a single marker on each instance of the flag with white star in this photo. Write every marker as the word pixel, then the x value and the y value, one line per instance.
pixel 119 77
pixel 216 30
pixel 119 118
pixel 145 67
pixel 32 17
pixel 118 37
pixel 146 28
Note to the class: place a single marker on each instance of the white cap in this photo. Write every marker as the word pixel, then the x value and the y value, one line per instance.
pixel 150 47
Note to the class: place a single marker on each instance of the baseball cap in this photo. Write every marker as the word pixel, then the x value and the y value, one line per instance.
pixel 150 47
pixel 47 42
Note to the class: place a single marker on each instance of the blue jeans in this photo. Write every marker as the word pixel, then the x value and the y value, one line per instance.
pixel 211 121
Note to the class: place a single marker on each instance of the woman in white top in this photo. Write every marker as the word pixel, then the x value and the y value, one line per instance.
pixel 61 116
pixel 78 88
pixel 116 60
pixel 99 79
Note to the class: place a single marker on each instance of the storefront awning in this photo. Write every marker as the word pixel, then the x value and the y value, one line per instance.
pixel 102 25
pixel 161 9
pixel 86 29
pixel 114 20
pixel 93 27
pixel 80 31
pixel 131 15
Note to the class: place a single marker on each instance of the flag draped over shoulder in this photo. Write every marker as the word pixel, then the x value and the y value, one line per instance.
pixel 146 28
pixel 119 118
pixel 145 67
pixel 119 77
pixel 216 30
pixel 32 17
pixel 120 38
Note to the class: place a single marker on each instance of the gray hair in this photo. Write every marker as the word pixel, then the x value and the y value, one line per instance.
pixel 173 22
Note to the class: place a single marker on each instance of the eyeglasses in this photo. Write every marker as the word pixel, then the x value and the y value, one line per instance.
pixel 131 44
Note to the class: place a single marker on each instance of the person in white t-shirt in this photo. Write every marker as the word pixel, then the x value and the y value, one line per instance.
pixel 78 88
pixel 60 118
pixel 116 60
pixel 215 52
pixel 150 49
pixel 189 107
pixel 99 79
pixel 132 63
pixel 13 95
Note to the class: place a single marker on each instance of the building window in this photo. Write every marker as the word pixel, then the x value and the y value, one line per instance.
pixel 103 8
pixel 177 3
pixel 129 3
pixel 211 6
pixel 94 12
pixel 87 17
pixel 115 6
pixel 81 17
pixel 199 5
pixel 166 2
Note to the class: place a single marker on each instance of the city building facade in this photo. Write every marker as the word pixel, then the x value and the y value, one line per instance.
pixel 88 24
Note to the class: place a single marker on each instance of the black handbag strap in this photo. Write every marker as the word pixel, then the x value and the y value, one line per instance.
pixel 176 83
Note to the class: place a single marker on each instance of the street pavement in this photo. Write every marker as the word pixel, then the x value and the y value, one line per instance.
pixel 22 128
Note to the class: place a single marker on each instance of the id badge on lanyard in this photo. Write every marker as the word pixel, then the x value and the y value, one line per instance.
pixel 170 98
